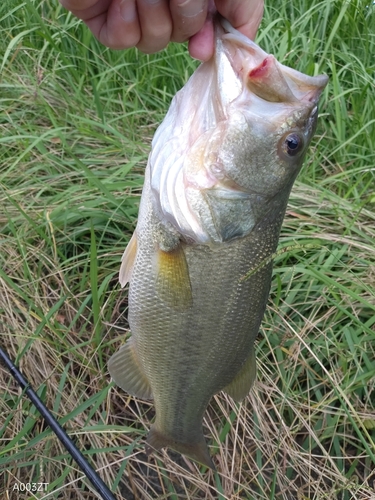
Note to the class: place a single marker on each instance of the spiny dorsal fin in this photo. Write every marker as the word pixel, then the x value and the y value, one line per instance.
pixel 127 372
pixel 128 260
pixel 240 386
pixel 173 281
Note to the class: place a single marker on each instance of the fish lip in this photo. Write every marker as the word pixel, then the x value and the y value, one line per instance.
pixel 240 38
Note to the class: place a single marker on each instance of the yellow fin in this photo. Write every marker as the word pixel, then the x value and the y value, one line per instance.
pixel 240 386
pixel 128 260
pixel 127 372
pixel 173 281
pixel 197 451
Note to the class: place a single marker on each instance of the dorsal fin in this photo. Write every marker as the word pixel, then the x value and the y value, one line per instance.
pixel 126 370
pixel 128 260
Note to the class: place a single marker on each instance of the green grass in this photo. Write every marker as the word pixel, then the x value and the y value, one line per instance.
pixel 76 122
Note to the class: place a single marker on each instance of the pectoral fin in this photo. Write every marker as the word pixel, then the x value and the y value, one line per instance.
pixel 173 281
pixel 127 372
pixel 240 386
pixel 128 260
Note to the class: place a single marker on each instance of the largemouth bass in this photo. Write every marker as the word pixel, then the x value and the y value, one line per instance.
pixel 216 188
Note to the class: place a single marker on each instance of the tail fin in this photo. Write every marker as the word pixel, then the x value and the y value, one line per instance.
pixel 197 451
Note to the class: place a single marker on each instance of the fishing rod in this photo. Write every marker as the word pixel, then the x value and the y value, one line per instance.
pixel 61 434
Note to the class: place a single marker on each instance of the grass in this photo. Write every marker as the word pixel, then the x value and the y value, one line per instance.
pixel 76 123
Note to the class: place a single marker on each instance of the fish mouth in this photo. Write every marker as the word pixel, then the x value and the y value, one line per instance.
pixel 264 76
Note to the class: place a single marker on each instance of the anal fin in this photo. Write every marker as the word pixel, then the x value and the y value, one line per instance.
pixel 127 372
pixel 240 386
pixel 128 260
pixel 198 451
pixel 173 281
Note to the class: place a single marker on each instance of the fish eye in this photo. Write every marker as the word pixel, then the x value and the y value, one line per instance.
pixel 292 144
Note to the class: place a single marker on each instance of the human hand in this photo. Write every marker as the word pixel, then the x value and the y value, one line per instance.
pixel 244 15
pixel 150 25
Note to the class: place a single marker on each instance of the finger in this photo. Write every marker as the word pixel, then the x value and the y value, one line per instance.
pixel 113 22
pixel 201 45
pixel 243 15
pixel 188 17
pixel 156 25
pixel 80 5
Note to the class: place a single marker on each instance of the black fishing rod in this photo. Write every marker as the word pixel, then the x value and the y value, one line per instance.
pixel 86 468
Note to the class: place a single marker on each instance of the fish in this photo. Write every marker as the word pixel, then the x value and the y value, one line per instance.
pixel 217 183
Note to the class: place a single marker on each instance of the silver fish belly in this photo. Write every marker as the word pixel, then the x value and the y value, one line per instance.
pixel 217 184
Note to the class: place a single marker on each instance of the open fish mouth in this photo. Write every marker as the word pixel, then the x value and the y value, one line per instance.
pixel 263 75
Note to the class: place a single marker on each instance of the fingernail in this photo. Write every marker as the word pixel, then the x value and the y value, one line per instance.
pixel 190 8
pixel 128 12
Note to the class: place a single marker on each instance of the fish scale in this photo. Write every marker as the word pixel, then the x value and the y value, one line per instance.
pixel 217 184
